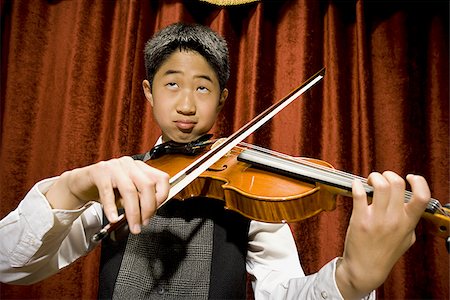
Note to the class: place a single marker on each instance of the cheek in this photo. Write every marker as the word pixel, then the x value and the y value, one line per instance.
pixel 210 116
pixel 161 107
pixel 160 115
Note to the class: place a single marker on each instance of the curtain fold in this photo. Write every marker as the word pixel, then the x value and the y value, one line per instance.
pixel 71 95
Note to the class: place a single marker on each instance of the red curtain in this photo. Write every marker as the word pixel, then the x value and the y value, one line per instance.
pixel 71 95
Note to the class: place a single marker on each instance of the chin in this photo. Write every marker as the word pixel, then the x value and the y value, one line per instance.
pixel 184 138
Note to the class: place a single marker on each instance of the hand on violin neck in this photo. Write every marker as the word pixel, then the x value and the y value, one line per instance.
pixel 125 182
pixel 379 233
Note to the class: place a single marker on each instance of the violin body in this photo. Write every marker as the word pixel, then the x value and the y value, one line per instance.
pixel 250 191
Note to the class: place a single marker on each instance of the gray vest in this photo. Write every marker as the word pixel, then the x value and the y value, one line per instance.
pixel 193 249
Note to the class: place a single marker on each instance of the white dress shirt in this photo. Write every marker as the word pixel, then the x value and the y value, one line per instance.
pixel 37 241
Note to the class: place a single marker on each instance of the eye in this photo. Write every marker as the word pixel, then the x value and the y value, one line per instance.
pixel 172 85
pixel 203 89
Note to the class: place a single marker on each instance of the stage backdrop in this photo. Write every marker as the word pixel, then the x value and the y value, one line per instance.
pixel 71 95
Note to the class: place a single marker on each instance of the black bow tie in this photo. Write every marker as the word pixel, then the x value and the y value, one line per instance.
pixel 191 148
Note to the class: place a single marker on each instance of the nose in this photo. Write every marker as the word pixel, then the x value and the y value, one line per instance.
pixel 186 104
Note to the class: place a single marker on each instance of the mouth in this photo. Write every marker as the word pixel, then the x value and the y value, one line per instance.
pixel 185 125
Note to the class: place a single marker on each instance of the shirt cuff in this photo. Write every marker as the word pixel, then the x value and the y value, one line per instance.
pixel 40 220
pixel 329 289
pixel 41 216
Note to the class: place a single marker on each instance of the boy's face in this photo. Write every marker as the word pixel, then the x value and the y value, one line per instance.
pixel 185 96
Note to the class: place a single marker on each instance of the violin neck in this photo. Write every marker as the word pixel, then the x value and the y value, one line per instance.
pixel 301 169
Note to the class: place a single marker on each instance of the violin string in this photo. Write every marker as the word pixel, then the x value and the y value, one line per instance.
pixel 442 211
pixel 350 177
pixel 434 203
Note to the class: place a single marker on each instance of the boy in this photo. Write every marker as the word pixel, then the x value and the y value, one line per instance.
pixel 195 249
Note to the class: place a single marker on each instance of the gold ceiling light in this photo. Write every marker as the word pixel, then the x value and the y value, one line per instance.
pixel 229 2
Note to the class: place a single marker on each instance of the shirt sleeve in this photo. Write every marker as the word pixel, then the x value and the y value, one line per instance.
pixel 37 241
pixel 274 265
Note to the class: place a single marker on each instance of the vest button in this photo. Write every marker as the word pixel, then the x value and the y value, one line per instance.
pixel 160 290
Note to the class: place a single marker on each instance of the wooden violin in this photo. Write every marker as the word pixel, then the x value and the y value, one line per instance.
pixel 272 187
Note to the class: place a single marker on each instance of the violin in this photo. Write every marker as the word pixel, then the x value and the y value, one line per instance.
pixel 259 183
pixel 273 187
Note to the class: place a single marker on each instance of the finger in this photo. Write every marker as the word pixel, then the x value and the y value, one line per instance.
pixel 154 187
pixel 381 191
pixel 421 195
pixel 359 199
pixel 160 179
pixel 129 194
pixel 147 201
pixel 146 186
pixel 397 191
pixel 102 180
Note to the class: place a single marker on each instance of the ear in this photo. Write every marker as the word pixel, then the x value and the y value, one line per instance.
pixel 148 91
pixel 223 97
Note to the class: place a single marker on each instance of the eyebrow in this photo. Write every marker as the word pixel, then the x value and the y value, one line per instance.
pixel 168 72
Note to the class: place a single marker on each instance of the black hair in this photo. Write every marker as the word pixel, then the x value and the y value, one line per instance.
pixel 189 37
